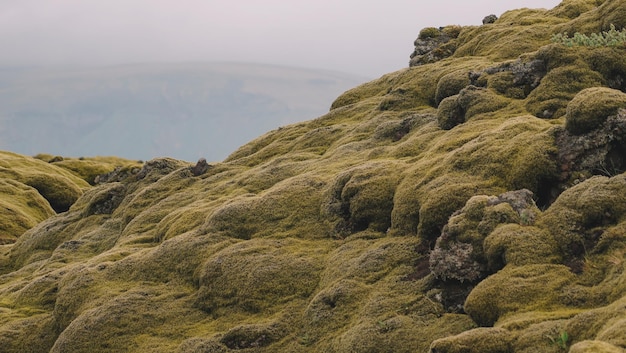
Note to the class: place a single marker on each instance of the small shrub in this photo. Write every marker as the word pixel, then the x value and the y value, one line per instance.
pixel 610 38
pixel 560 340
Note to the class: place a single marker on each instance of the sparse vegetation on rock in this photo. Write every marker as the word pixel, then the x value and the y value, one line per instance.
pixel 472 203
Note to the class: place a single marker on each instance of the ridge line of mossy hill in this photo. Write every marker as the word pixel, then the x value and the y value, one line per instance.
pixel 475 202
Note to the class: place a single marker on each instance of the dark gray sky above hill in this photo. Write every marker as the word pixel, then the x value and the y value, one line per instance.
pixel 368 38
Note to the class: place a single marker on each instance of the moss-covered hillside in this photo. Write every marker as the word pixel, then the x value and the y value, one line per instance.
pixel 474 202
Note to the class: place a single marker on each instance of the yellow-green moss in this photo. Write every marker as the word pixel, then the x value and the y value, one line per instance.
pixel 519 245
pixel 516 32
pixel 89 168
pixel 558 87
pixel 451 84
pixel 31 191
pixel 274 273
pixel 361 198
pixel 582 210
pixel 599 16
pixel 571 9
pixel 21 208
pixel 364 91
pixel 595 347
pixel 610 63
pixel 488 340
pixel 429 32
pixel 515 290
pixel 590 108
pixel 273 212
pixel 469 102
pixel 60 192
pixel 31 333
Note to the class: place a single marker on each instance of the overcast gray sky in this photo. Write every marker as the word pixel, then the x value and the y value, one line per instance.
pixel 363 37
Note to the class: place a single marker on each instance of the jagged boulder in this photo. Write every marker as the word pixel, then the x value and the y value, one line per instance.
pixel 463 251
pixel 434 44
pixel 600 151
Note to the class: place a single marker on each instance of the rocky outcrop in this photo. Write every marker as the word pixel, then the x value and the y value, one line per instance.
pixel 434 44
pixel 600 151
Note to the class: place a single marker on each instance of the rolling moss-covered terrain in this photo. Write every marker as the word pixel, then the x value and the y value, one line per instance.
pixel 474 202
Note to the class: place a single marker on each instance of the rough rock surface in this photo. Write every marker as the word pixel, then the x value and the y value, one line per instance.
pixel 434 44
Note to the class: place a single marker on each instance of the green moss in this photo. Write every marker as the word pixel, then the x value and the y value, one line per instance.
pixel 31 333
pixel 519 245
pixel 452 31
pixel 277 210
pixel 599 17
pixel 393 335
pixel 253 336
pixel 515 290
pixel 604 324
pixel 609 63
pixel 41 292
pixel 515 33
pixel 595 347
pixel 21 208
pixel 201 345
pixel 367 90
pixel 362 198
pixel 503 83
pixel 429 32
pixel 472 246
pixel 176 260
pixel 59 191
pixel 471 101
pixel 438 204
pixel 451 84
pixel 332 307
pixel 590 108
pixel 30 191
pixel 450 113
pixel 571 9
pixel 274 273
pixel 558 88
pixel 583 210
pixel 113 325
pixel 544 333
pixel 89 168
pixel 488 340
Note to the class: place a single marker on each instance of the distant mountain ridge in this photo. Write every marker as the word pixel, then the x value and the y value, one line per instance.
pixel 142 111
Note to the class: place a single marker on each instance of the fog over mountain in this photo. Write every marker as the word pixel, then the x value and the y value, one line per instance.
pixel 100 104
pixel 143 111
pixel 365 38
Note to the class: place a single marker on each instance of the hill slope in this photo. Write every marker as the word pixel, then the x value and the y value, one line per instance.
pixel 144 111
pixel 474 202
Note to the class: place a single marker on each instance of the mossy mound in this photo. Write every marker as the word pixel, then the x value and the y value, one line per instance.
pixel 491 340
pixel 274 274
pixel 22 208
pixel 427 203
pixel 34 189
pixel 89 168
pixel 591 107
pixel 515 290
pixel 31 191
